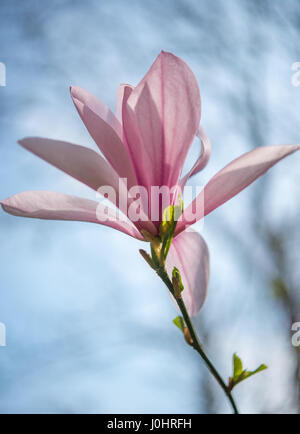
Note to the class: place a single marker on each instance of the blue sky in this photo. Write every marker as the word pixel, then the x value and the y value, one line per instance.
pixel 89 326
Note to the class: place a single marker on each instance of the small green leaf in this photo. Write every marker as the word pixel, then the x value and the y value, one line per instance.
pixel 179 322
pixel 166 230
pixel 167 227
pixel 239 374
pixel 167 221
pixel 237 366
pixel 248 374
pixel 177 282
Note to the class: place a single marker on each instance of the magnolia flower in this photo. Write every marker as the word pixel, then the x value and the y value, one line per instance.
pixel 146 142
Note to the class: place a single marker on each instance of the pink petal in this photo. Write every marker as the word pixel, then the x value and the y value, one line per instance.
pixel 106 130
pixel 203 158
pixel 97 106
pixel 160 119
pixel 57 206
pixel 82 163
pixel 120 95
pixel 189 253
pixel 85 165
pixel 232 179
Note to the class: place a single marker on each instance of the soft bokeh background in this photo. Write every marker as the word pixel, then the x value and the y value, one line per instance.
pixel 89 325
